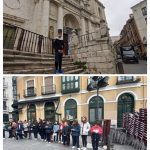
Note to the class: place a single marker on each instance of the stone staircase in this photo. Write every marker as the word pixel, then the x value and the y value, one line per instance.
pixel 19 62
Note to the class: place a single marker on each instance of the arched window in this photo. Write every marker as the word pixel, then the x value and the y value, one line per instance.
pixel 70 109
pixel 50 111
pixel 96 109
pixel 31 112
pixel 125 104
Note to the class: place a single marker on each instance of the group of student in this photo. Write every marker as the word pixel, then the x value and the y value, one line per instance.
pixel 57 132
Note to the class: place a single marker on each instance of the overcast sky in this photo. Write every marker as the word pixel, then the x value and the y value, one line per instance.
pixel 117 13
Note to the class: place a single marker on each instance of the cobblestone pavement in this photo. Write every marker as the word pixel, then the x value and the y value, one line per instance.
pixel 25 144
pixel 140 68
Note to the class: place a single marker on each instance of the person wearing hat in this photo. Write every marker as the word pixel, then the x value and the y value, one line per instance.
pixel 58 46
pixel 85 128
pixel 96 133
pixel 75 132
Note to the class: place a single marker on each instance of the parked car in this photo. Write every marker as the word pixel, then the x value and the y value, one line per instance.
pixel 129 55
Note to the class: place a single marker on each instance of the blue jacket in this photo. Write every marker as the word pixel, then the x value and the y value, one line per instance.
pixel 55 128
pixel 20 128
pixel 48 128
pixel 75 130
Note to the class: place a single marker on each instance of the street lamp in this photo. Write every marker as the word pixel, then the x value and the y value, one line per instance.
pixel 100 82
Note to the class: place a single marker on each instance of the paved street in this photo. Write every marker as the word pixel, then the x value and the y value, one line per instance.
pixel 25 144
pixel 140 68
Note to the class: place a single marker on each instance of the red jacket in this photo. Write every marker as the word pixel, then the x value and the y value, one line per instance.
pixel 96 129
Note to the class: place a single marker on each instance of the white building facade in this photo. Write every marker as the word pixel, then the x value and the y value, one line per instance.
pixel 7 98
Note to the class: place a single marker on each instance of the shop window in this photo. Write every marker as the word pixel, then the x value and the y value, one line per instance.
pixel 31 112
pixel 50 111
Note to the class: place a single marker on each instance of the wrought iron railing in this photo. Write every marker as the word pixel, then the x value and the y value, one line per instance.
pixel 50 89
pixel 30 92
pixel 17 38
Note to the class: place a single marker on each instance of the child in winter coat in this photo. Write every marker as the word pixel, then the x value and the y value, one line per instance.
pixel 85 128
pixel 66 134
pixel 55 130
pixel 75 134
pixel 48 130
pixel 96 133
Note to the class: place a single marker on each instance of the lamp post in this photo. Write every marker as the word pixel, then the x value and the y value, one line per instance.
pixel 97 79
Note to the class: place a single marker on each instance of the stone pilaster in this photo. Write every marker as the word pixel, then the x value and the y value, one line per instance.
pixel 83 26
pixel 60 17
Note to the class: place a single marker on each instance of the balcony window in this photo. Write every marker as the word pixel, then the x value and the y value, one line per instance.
pixel 30 91
pixel 49 87
pixel 127 79
pixel 70 84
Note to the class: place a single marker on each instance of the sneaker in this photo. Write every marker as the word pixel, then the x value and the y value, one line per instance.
pixel 73 147
pixel 61 71
pixel 56 71
pixel 49 142
pixel 79 149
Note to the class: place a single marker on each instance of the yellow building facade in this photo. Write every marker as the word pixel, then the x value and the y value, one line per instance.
pixel 54 98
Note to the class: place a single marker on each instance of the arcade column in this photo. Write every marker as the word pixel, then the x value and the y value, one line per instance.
pixel 45 18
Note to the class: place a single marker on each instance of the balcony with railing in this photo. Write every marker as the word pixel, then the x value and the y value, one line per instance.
pixel 30 92
pixel 5 108
pixel 5 96
pixel 17 38
pixel 49 89
pixel 5 84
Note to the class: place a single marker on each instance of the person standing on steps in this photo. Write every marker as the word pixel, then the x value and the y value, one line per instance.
pixel 58 46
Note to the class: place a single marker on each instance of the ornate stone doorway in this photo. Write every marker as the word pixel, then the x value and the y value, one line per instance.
pixel 70 24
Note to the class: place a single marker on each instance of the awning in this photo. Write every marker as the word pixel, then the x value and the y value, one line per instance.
pixel 52 99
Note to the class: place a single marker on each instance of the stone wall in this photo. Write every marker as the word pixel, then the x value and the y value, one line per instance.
pixel 97 53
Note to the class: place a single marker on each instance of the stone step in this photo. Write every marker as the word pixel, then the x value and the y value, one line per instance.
pixel 72 68
pixel 32 65
pixel 31 58
pixel 16 52
pixel 76 71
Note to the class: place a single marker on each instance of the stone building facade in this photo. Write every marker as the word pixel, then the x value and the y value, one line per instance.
pixel 7 98
pixel 79 17
pixel 130 36
pixel 54 98
pixel 140 16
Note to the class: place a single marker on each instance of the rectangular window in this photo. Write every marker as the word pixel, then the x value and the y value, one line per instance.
pixel 125 78
pixel 144 11
pixel 48 87
pixel 30 91
pixel 70 84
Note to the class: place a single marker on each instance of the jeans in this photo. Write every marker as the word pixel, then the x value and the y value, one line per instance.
pixel 75 141
pixel 95 140
pixel 25 134
pixel 58 61
pixel 66 140
pixel 48 137
pixel 84 140
pixel 56 137
pixel 35 134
